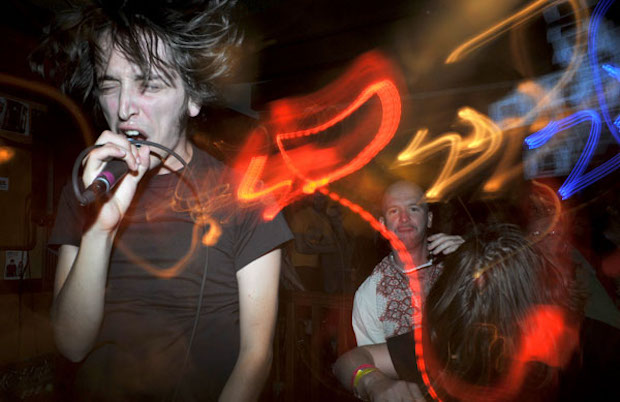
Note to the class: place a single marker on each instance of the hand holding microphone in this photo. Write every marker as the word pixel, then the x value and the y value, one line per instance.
pixel 118 156
pixel 109 162
pixel 112 173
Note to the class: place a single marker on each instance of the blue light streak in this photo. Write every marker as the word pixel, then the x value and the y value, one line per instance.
pixel 578 179
pixel 613 71
pixel 599 11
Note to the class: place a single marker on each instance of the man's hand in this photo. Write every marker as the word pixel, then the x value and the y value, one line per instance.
pixel 379 388
pixel 442 243
pixel 137 159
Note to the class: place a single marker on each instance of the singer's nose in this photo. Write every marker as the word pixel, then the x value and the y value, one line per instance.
pixel 127 104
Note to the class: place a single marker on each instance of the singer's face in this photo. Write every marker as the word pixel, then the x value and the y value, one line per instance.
pixel 155 109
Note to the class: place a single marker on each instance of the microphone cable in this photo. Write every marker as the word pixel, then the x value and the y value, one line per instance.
pixel 78 163
pixel 80 197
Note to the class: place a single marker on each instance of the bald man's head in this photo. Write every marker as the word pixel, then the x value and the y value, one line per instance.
pixel 405 212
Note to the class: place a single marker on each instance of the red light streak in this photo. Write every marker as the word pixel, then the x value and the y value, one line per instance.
pixel 390 100
pixel 545 336
pixel 414 282
pixel 276 164
pixel 296 171
pixel 548 337
pixel 301 168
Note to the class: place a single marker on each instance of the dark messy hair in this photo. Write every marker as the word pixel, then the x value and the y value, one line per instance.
pixel 199 38
pixel 477 309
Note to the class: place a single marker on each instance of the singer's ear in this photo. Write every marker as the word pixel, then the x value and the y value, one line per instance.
pixel 193 108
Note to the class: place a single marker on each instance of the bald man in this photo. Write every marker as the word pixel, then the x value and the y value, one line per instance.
pixel 382 305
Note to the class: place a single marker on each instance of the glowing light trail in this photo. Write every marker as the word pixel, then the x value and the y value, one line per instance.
pixel 545 336
pixel 390 101
pixel 613 71
pixel 485 138
pixel 498 29
pixel 599 11
pixel 577 180
pixel 54 94
pixel 412 275
pixel 534 8
pixel 300 168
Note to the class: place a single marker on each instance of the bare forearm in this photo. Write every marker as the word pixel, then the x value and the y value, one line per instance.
pixel 77 310
pixel 258 295
pixel 378 379
pixel 248 378
pixel 347 363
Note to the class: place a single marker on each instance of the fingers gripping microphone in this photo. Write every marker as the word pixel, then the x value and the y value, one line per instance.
pixel 113 171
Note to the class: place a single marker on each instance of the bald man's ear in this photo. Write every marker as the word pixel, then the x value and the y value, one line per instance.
pixel 430 220
pixel 382 221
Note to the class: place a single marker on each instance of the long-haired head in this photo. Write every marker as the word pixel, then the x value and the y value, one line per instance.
pixel 479 310
pixel 199 39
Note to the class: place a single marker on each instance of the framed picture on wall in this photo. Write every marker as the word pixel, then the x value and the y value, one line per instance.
pixel 16 265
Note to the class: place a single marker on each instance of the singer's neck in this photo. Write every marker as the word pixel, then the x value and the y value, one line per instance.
pixel 171 164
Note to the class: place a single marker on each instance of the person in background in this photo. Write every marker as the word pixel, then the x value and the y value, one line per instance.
pixel 382 305
pixel 499 324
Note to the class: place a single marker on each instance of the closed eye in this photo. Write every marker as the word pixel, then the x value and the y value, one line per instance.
pixel 152 85
pixel 107 87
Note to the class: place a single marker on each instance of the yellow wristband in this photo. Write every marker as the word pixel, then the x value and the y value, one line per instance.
pixel 360 373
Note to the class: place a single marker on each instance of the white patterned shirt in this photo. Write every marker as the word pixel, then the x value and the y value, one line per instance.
pixel 382 304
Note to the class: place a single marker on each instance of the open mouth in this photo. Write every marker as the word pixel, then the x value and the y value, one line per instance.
pixel 134 135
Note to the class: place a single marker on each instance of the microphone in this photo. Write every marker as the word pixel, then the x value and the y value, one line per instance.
pixel 111 174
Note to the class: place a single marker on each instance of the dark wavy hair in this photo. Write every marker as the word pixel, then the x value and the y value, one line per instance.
pixel 477 309
pixel 199 37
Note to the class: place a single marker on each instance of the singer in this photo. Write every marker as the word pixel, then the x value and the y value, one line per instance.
pixel 139 332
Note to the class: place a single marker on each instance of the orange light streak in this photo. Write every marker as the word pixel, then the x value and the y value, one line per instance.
pixel 248 187
pixel 54 94
pixel 557 209
pixel 485 137
pixel 581 14
pixel 169 272
pixel 500 28
pixel 506 169
pixel 211 237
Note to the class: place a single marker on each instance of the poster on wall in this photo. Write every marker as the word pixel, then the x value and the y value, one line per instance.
pixel 14 116
pixel 15 265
